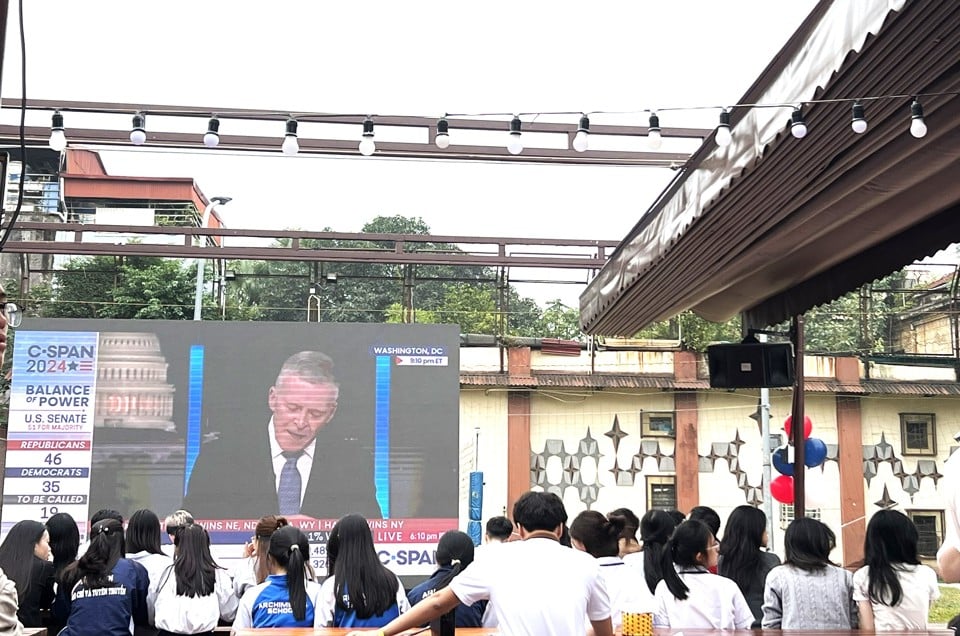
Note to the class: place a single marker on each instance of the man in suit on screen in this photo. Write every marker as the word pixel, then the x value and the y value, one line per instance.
pixel 297 466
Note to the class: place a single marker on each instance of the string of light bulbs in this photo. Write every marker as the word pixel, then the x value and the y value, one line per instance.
pixel 514 142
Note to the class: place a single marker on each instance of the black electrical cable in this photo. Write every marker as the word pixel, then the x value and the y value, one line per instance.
pixel 23 134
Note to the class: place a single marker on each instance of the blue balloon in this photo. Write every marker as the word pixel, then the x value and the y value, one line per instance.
pixel 780 461
pixel 814 452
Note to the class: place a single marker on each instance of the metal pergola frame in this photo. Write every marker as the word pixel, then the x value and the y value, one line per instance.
pixel 340 147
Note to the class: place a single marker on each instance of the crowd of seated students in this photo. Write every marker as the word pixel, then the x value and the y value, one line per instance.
pixel 524 578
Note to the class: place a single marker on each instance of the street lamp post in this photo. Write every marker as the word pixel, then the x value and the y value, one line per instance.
pixel 198 295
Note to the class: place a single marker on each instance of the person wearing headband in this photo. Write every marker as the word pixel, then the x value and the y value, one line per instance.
pixel 287 598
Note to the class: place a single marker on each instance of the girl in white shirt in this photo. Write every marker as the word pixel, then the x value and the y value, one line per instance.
pixel 193 594
pixel 142 542
pixel 598 536
pixel 254 568
pixel 689 596
pixel 893 590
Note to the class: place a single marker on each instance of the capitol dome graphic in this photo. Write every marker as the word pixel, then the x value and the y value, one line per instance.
pixel 132 387
pixel 138 454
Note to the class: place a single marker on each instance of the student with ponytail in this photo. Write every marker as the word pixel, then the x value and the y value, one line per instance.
pixel 630 548
pixel 655 529
pixel 454 554
pixel 254 569
pixel 689 596
pixel 599 537
pixel 287 598
pixel 106 593
pixel 360 591
pixel 893 590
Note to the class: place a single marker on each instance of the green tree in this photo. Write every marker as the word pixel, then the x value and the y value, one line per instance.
pixel 560 321
pixel 693 331
pixel 370 292
pixel 136 287
pixel 473 308
pixel 395 314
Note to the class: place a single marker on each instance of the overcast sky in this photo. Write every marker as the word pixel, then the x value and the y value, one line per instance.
pixel 409 58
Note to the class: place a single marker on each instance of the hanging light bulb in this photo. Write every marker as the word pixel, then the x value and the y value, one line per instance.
pixel 212 137
pixel 367 146
pixel 514 143
pixel 58 140
pixel 918 127
pixel 290 145
pixel 138 135
pixel 654 138
pixel 723 136
pixel 859 121
pixel 581 141
pixel 798 127
pixel 443 134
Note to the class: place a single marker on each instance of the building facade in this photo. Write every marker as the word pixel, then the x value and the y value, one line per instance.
pixel 642 429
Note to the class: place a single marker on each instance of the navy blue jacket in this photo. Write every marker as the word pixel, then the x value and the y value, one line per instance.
pixel 108 611
pixel 467 615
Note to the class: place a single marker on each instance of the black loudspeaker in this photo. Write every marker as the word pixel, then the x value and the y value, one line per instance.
pixel 750 365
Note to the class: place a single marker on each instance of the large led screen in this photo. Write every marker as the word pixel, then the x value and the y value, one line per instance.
pixel 234 420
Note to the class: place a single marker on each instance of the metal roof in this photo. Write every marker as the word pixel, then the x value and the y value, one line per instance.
pixel 772 225
pixel 668 383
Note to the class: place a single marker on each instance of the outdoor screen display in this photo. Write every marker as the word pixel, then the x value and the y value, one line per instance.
pixel 233 421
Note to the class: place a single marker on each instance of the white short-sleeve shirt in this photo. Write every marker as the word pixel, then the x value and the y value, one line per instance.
pixel 920 588
pixel 713 602
pixel 536 587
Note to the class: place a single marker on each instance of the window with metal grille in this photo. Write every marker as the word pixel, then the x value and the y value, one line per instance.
pixel 787 514
pixel 657 424
pixel 929 529
pixel 918 434
pixel 661 493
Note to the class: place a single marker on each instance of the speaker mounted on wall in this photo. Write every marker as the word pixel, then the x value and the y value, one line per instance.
pixel 750 365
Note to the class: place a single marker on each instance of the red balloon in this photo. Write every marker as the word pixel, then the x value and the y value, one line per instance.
pixel 781 489
pixel 807 426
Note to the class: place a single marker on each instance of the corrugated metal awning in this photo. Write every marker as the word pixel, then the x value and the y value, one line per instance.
pixel 772 225
pixel 666 383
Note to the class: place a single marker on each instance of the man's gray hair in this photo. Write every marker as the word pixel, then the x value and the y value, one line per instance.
pixel 311 366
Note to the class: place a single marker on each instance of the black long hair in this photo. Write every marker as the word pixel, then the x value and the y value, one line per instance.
pixel 362 583
pixel 16 553
pixel 96 564
pixel 454 550
pixel 598 534
pixel 655 529
pixel 143 532
pixel 807 544
pixel 891 539
pixel 290 550
pixel 687 541
pixel 193 565
pixel 740 548
pixel 64 540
